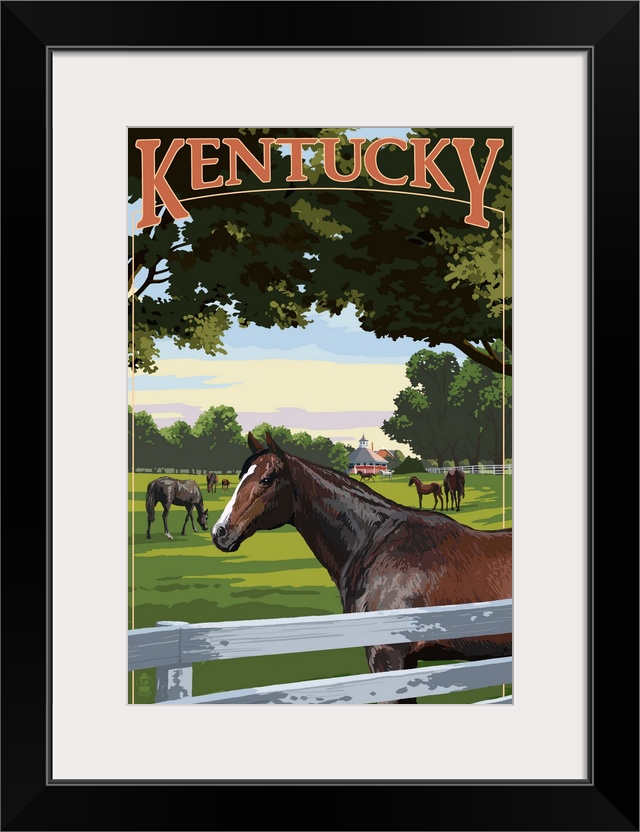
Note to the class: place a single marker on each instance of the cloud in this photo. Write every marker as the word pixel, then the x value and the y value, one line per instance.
pixel 337 338
pixel 166 414
pixel 273 384
pixel 160 381
pixel 296 418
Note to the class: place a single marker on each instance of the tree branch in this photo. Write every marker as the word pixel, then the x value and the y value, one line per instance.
pixel 149 280
pixel 489 349
pixel 490 361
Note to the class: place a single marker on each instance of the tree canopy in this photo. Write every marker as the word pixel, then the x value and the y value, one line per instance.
pixel 407 262
pixel 450 413
pixel 216 442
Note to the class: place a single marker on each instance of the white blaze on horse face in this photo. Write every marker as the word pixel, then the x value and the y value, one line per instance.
pixel 226 514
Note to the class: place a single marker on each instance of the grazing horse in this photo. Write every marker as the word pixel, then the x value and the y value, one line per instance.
pixel 224 485
pixel 364 475
pixel 167 490
pixel 454 485
pixel 428 488
pixel 379 554
pixel 212 481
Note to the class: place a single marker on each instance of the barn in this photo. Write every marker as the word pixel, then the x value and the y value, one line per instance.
pixel 364 460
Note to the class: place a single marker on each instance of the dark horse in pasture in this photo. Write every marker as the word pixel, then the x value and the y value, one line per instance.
pixel 224 485
pixel 454 485
pixel 427 488
pixel 380 555
pixel 169 491
pixel 212 481
pixel 366 475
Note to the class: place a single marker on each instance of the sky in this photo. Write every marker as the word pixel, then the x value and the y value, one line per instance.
pixel 329 379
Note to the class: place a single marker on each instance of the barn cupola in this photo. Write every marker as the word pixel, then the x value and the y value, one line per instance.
pixel 364 443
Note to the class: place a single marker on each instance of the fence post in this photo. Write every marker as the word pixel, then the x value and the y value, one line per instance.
pixel 173 682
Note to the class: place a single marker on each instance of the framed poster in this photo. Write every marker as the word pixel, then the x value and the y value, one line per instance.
pixel 580 53
pixel 297 359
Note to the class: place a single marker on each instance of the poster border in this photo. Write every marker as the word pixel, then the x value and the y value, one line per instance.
pixel 607 800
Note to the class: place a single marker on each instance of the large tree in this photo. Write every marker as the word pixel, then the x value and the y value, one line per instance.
pixel 151 447
pixel 424 416
pixel 485 399
pixel 219 435
pixel 451 413
pixel 409 264
pixel 184 448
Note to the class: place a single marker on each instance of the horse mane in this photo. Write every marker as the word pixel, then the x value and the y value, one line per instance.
pixel 344 481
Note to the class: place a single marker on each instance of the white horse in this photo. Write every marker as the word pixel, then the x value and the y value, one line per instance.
pixel 386 474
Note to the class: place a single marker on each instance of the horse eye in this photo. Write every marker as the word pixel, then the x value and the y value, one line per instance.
pixel 266 480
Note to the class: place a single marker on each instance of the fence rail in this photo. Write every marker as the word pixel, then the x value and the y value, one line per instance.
pixel 468 469
pixel 173 646
pixel 475 469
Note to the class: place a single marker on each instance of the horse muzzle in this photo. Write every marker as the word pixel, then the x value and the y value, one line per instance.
pixel 224 540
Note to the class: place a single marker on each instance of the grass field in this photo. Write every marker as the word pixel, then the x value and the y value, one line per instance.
pixel 274 574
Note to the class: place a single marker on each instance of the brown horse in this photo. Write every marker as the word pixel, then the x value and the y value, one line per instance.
pixel 380 555
pixel 224 485
pixel 366 475
pixel 454 485
pixel 167 490
pixel 428 488
pixel 212 481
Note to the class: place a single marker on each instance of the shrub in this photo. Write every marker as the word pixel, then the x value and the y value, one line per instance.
pixel 410 465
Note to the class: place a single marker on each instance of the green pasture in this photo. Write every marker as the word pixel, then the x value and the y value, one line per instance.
pixel 273 575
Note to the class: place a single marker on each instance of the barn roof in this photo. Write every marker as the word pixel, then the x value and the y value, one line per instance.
pixel 364 456
pixel 384 452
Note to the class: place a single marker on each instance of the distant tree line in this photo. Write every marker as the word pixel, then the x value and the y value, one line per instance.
pixel 451 413
pixel 216 442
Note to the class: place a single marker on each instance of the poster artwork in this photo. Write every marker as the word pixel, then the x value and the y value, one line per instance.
pixel 319 415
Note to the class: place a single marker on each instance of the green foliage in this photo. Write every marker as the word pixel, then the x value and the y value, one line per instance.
pixel 339 456
pixel 320 450
pixel 410 465
pixel 216 442
pixel 450 413
pixel 484 398
pixel 395 460
pixel 424 417
pixel 150 445
pixel 222 444
pixel 407 262
pixel 178 433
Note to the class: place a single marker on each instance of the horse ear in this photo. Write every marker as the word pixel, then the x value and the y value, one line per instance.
pixel 272 446
pixel 254 444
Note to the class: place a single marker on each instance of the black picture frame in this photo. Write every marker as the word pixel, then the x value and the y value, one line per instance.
pixel 608 798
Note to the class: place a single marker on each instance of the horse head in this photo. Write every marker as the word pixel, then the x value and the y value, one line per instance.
pixel 203 517
pixel 263 498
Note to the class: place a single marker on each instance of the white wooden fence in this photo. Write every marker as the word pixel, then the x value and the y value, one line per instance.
pixel 173 646
pixel 475 469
